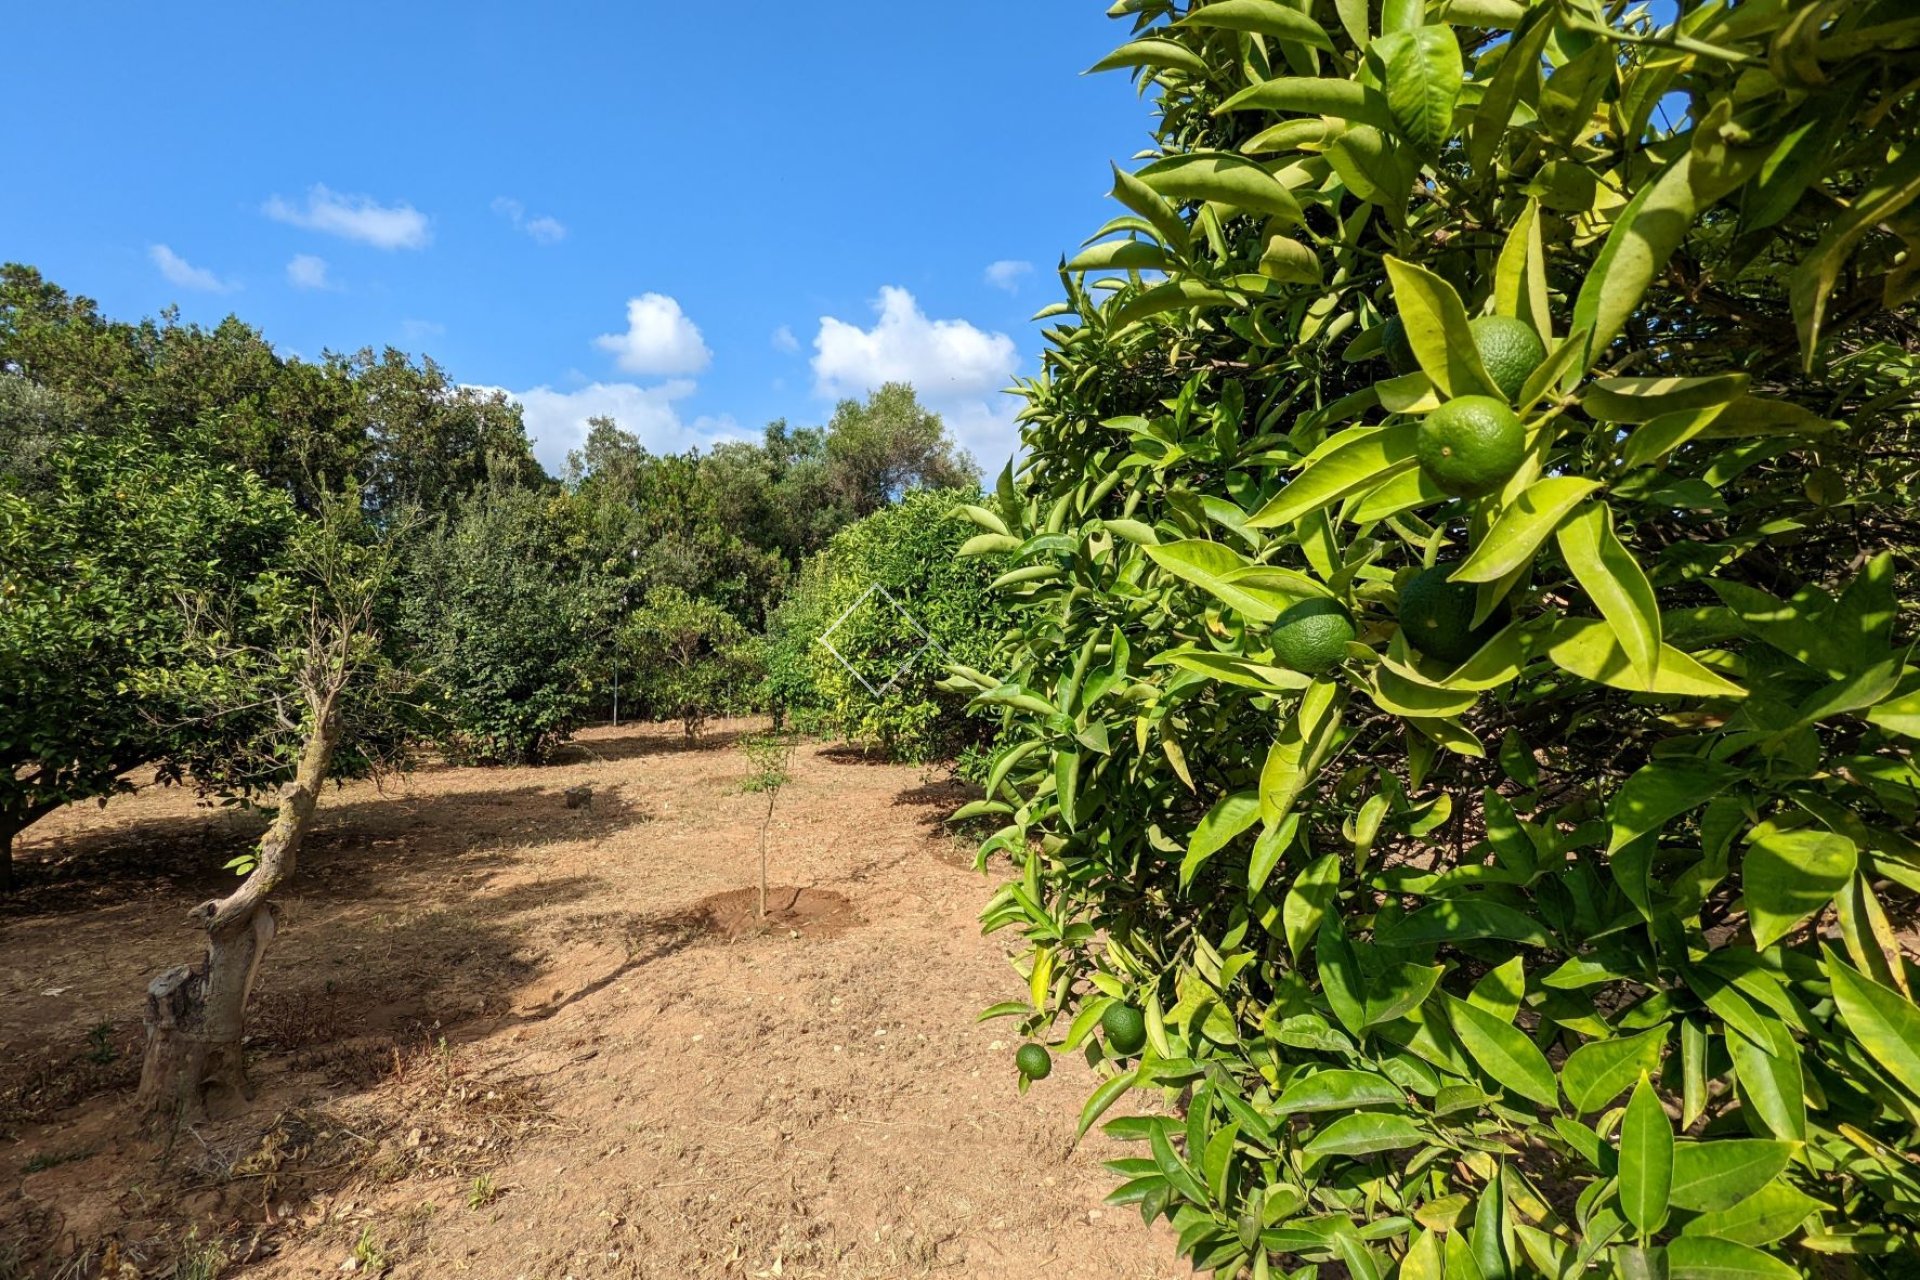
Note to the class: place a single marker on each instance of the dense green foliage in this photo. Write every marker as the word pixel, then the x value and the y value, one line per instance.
pixel 1571 935
pixel 101 542
pixel 892 598
pixel 505 619
pixel 690 659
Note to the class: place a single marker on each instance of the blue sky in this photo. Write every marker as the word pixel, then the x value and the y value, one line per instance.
pixel 698 217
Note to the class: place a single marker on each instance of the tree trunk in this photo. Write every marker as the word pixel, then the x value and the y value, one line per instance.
pixel 196 1014
pixel 6 857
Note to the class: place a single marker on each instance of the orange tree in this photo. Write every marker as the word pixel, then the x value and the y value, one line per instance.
pixel 1464 705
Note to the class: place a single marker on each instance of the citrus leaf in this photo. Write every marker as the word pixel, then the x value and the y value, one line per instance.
pixel 1423 75
pixel 1261 17
pixel 1436 325
pixel 1313 96
pixel 1225 178
pixel 1103 1097
pixel 1886 1023
pixel 1152 53
pixel 1708 1176
pixel 1359 462
pixel 1615 583
pixel 1646 1160
pixel 1601 1070
pixel 1338 1091
pixel 1230 815
pixel 1705 1258
pixel 1363 1134
pixel 1772 1213
pixel 1522 526
pixel 1789 875
pixel 1307 901
pixel 1588 648
pixel 1503 1051
pixel 1464 919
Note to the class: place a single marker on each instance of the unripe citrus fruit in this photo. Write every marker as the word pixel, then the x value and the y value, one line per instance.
pixel 1311 636
pixel 1510 350
pixel 1396 348
pixel 1470 445
pixel 1126 1029
pixel 1436 616
pixel 1034 1061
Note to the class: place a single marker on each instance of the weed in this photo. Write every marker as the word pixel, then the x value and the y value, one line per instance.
pixel 200 1261
pixel 100 1041
pixel 368 1254
pixel 482 1193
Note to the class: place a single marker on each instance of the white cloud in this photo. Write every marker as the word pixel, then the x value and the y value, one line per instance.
pixel 414 330
pixel 1007 274
pixel 557 420
pixel 399 226
pixel 542 229
pixel 179 271
pixel 958 369
pixel 660 339
pixel 783 339
pixel 308 271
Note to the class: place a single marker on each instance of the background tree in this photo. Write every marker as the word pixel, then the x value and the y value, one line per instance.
pixel 691 660
pixel 1511 869
pixel 878 450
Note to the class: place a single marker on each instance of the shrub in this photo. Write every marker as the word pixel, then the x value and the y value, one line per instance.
pixel 935 609
pixel 1583 950
pixel 690 659
pixel 507 623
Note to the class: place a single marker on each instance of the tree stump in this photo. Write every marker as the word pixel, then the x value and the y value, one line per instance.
pixel 195 1065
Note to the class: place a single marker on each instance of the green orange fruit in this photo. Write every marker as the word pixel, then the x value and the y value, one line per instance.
pixel 1436 616
pixel 1470 445
pixel 1034 1062
pixel 1311 637
pixel 1126 1029
pixel 1510 350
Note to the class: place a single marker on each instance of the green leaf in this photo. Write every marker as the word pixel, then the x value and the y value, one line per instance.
pixel 1261 17
pixel 1522 526
pixel 1615 583
pixel 1207 565
pixel 1393 995
pixel 1886 1023
pixel 1121 255
pixel 1772 1083
pixel 1230 815
pixel 1463 919
pixel 1644 399
pixel 1646 1160
pixel 1339 1091
pixel 1503 1051
pixel 1269 848
pixel 1588 648
pixel 1705 1258
pixel 1436 326
pixel 1643 238
pixel 1657 793
pixel 1152 53
pixel 1424 1260
pixel 1223 177
pixel 1709 1176
pixel 1340 977
pixel 1601 1070
pixel 1103 1097
pixel 1363 1134
pixel 1789 875
pixel 1363 457
pixel 1895 187
pixel 1307 902
pixel 1772 1213
pixel 1146 202
pixel 1422 74
pixel 1313 96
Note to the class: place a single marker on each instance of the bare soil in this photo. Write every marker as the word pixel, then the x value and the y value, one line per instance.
pixel 499 1037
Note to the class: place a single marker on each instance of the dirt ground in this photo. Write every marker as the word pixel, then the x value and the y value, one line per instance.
pixel 499 1037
